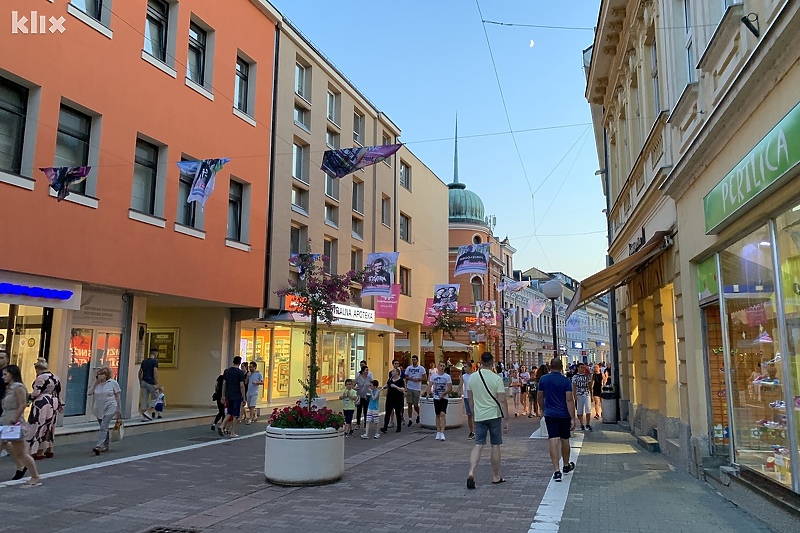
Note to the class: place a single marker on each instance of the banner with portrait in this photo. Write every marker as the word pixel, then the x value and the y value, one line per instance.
pixel 381 273
pixel 472 259
pixel 486 313
pixel 446 296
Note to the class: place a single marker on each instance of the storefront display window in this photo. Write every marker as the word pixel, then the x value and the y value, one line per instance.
pixel 80 356
pixel 255 347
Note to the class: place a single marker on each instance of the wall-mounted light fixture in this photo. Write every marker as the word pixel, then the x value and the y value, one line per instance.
pixel 751 22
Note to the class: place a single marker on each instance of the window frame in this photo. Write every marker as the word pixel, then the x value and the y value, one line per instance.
pixel 189 218
pixel 332 191
pixel 357 228
pixel 332 139
pixel 405 222
pixel 163 20
pixel 200 48
pixel 299 165
pixel 405 175
pixel 301 86
pixel 302 234
pixel 691 60
pixel 330 247
pixel 358 200
pixel 21 114
pixel 404 279
pixel 331 214
pixel 237 204
pixel 302 196
pixel 358 127
pixel 152 167
pixel 333 105
pixel 242 80
pixel 86 139
pixel 306 125
pixel 386 211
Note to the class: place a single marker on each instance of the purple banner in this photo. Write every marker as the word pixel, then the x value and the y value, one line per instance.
pixel 62 178
pixel 386 306
pixel 342 162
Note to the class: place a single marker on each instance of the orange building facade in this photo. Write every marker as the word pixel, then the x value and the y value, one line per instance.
pixel 124 263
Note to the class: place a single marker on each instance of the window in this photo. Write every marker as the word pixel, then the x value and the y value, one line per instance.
pixel 477 288
pixel 13 112
pixel 405 175
pixel 356 259
pixel 155 33
pixel 405 228
pixel 300 198
pixel 93 8
pixel 691 62
pixel 405 281
pixel 332 186
pixel 387 140
pixel 302 80
pixel 329 251
pixel 331 214
pixel 358 228
pixel 145 177
pixel 358 128
pixel 654 75
pixel 298 240
pixel 299 167
pixel 358 196
pixel 242 87
pixel 187 212
pixel 332 139
pixel 334 101
pixel 386 211
pixel 235 204
pixel 476 239
pixel 302 117
pixel 72 142
pixel 196 62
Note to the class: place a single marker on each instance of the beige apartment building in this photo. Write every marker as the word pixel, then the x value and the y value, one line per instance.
pixel 697 117
pixel 397 205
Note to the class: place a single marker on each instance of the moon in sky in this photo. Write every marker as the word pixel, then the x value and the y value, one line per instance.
pixel 531 43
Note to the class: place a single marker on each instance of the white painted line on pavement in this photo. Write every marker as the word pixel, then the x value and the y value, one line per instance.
pixel 548 515
pixel 131 459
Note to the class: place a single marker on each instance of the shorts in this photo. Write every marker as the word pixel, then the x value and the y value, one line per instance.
pixel 524 388
pixel 584 404
pixel 159 407
pixel 373 417
pixel 466 407
pixel 252 399
pixel 348 415
pixel 234 408
pixel 558 428
pixel 412 397
pixel 493 427
pixel 440 405
pixel 532 393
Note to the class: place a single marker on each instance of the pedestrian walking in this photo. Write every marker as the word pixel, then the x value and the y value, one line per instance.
pixel 217 397
pixel 3 364
pixel 256 380
pixel 363 379
pixel 373 409
pixel 395 392
pixel 349 398
pixel 415 373
pixel 439 386
pixel 245 368
pixel 148 379
pixel 533 392
pixel 107 406
pixel 466 373
pixel 14 403
pixel 598 382
pixel 45 406
pixel 487 398
pixel 392 417
pixel 558 404
pixel 524 378
pixel 515 386
pixel 233 396
pixel 580 390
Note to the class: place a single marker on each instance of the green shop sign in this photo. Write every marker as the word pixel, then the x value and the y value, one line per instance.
pixel 760 171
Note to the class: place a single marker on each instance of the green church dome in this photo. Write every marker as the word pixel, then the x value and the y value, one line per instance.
pixel 465 206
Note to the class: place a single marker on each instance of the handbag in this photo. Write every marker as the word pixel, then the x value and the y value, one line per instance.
pixel 117 433
pixel 490 394
pixel 11 432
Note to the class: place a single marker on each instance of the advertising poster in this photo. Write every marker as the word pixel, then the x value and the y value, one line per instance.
pixel 381 271
pixel 472 259
pixel 386 306
pixel 486 314
pixel 446 296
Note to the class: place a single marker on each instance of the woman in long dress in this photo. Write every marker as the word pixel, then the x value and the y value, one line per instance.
pixel 14 403
pixel 46 397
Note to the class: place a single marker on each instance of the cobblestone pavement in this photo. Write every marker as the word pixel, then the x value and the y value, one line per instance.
pixel 401 482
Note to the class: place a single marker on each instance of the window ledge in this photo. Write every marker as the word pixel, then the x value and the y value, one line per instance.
pixel 356 211
pixel 192 232
pixel 237 245
pixel 89 21
pixel 76 198
pixel 160 65
pixel 300 210
pixel 158 222
pixel 331 224
pixel 200 89
pixel 301 181
pixel 385 225
pixel 331 197
pixel 358 143
pixel 334 124
pixel 18 181
pixel 244 116
pixel 302 126
pixel 356 236
pixel 301 97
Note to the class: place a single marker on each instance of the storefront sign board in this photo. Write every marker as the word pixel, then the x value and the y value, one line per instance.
pixel 26 289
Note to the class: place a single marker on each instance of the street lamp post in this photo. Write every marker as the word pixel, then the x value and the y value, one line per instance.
pixel 553 290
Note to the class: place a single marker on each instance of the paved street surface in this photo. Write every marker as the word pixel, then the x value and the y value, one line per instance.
pixel 401 482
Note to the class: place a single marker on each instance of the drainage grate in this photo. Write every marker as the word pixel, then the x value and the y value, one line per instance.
pixel 171 530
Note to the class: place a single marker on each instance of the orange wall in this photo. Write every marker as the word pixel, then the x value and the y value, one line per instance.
pixel 109 77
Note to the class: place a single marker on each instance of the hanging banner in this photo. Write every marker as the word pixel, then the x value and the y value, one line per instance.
pixel 62 178
pixel 472 259
pixel 486 314
pixel 430 313
pixel 203 175
pixel 536 307
pixel 573 324
pixel 342 162
pixel 381 273
pixel 513 286
pixel 446 295
pixel 295 260
pixel 386 306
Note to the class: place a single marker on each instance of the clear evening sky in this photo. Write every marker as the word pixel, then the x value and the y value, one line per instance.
pixel 421 62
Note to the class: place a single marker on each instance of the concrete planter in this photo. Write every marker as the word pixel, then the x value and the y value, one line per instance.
pixel 297 457
pixel 455 413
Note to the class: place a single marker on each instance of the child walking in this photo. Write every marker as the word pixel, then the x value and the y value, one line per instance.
pixel 158 402
pixel 515 385
pixel 348 397
pixel 373 409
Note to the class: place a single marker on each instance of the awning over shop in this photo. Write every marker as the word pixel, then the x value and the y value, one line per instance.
pixel 299 318
pixel 619 273
pixel 404 345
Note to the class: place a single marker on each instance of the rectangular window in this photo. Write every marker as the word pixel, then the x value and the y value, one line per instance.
pixel 300 198
pixel 332 186
pixel 654 74
pixel 235 204
pixel 691 62
pixel 405 176
pixel 405 228
pixel 72 142
pixel 405 281
pixel 145 178
pixel 187 212
pixel 386 211
pixel 301 81
pixel 332 139
pixel 357 228
pixel 299 170
pixel 242 88
pixel 155 33
pixel 358 196
pixel 356 259
pixel 13 112
pixel 298 240
pixel 196 62
pixel 332 214
pixel 302 117
pixel 334 101
pixel 93 8
pixel 329 251
pixel 358 128
pixel 387 140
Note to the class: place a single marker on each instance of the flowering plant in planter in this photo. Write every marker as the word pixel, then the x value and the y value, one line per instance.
pixel 299 417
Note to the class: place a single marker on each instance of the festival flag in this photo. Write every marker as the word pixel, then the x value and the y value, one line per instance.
pixel 573 324
pixel 430 313
pixel 536 307
pixel 342 162
pixel 513 286
pixel 472 259
pixel 62 178
pixel 381 274
pixel 203 174
pixel 386 306
pixel 446 295
pixel 294 260
pixel 486 313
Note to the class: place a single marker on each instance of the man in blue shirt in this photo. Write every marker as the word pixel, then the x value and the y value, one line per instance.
pixel 556 400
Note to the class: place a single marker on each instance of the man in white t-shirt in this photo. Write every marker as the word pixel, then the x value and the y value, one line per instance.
pixel 583 400
pixel 415 373
pixel 439 386
pixel 465 374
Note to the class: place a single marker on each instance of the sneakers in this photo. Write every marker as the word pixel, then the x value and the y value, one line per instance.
pixel 569 468
pixel 417 419
pixel 583 428
pixel 383 430
pixel 410 423
pixel 590 428
pixel 557 476
pixel 213 427
pixel 391 425
pixel 364 436
pixel 377 435
pixel 438 436
pixel 146 417
pixel 220 432
pixel 471 436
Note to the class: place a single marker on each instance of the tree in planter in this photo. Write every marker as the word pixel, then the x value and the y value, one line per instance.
pixel 447 321
pixel 316 294
pixel 519 344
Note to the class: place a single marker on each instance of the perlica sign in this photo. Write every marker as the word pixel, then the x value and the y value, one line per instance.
pixel 34 22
